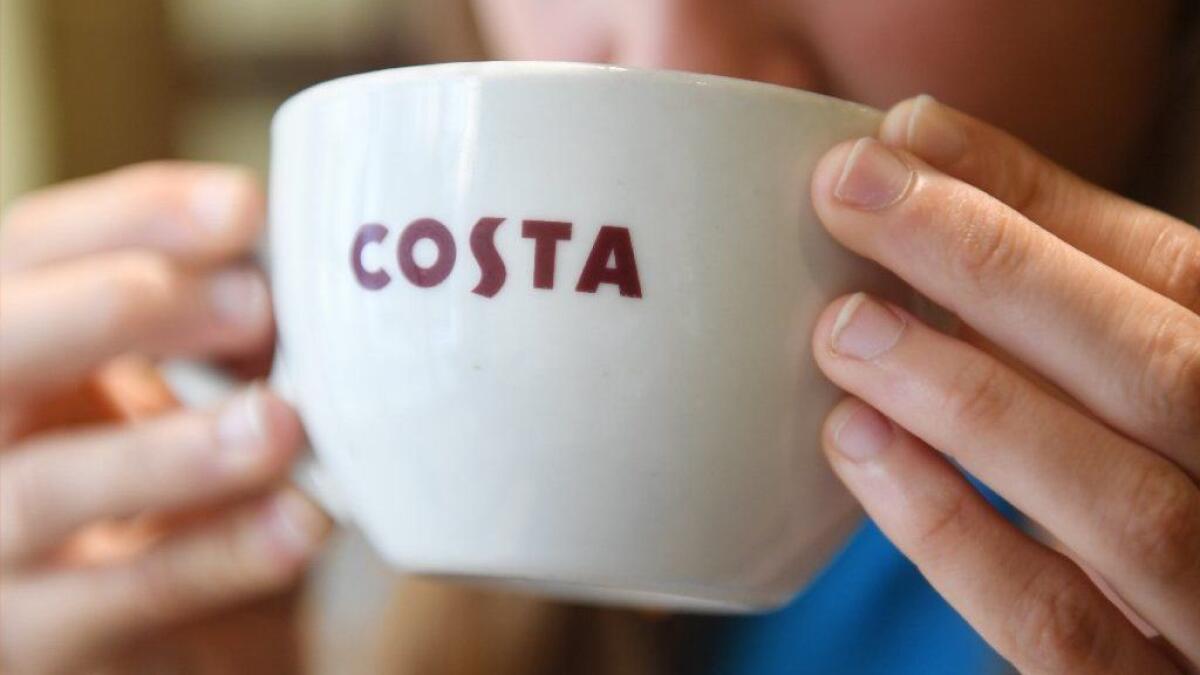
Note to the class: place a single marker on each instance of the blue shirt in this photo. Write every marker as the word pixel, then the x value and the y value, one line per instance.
pixel 870 611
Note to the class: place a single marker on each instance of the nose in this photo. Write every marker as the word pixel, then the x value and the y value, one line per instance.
pixel 718 37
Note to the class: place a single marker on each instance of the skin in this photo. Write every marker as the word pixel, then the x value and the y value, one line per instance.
pixel 1072 390
pixel 141 260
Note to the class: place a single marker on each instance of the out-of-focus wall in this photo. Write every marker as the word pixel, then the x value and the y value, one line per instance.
pixel 24 133
pixel 92 84
pixel 282 45
pixel 241 59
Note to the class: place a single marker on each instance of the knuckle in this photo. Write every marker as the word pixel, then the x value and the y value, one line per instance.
pixel 1025 181
pixel 231 560
pixel 986 246
pixel 160 588
pixel 20 507
pixel 27 646
pixel 1181 258
pixel 173 450
pixel 979 394
pixel 1170 396
pixel 1161 532
pixel 219 566
pixel 1056 624
pixel 157 184
pixel 138 289
pixel 240 558
pixel 945 527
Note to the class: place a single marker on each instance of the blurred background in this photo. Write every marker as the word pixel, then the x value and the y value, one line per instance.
pixel 89 85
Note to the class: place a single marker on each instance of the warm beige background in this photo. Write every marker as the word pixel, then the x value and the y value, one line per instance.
pixel 24 151
pixel 91 84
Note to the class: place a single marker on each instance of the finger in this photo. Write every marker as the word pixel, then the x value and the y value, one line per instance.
pixel 54 621
pixel 128 387
pixel 1151 247
pixel 1129 354
pixel 1036 608
pixel 190 212
pixel 1127 511
pixel 61 322
pixel 51 486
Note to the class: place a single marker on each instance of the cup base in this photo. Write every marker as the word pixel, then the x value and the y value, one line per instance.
pixel 703 600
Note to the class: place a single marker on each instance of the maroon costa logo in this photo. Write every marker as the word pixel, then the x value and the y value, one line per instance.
pixel 611 260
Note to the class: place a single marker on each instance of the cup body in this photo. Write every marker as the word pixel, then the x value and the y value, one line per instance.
pixel 549 324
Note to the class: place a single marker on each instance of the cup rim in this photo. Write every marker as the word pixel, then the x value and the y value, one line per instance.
pixel 518 69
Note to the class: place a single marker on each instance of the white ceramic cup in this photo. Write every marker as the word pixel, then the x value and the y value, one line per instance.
pixel 549 324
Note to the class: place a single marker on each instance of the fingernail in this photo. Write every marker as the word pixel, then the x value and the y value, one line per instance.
pixel 242 431
pixel 865 329
pixel 215 201
pixel 862 433
pixel 294 525
pixel 239 297
pixel 932 133
pixel 873 178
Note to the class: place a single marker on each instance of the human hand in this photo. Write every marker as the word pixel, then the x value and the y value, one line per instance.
pixel 1075 393
pixel 142 260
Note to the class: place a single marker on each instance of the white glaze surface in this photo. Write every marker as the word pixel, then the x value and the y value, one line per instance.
pixel 658 450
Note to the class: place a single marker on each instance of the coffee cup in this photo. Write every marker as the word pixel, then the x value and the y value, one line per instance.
pixel 548 325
